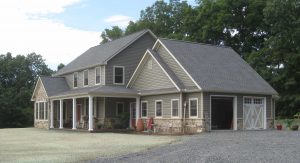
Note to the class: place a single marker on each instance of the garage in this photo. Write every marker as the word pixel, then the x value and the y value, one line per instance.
pixel 222 109
pixel 254 113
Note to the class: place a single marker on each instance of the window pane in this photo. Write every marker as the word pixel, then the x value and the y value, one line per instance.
pixel 119 71
pixel 144 109
pixel 133 110
pixel 46 111
pixel 158 108
pixel 75 77
pixel 258 101
pixel 36 110
pixel 118 79
pixel 41 110
pixel 248 100
pixel 120 108
pixel 86 79
pixel 193 107
pixel 175 108
pixel 97 75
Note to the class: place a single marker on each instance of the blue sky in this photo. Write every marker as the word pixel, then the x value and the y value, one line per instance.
pixel 61 30
pixel 90 14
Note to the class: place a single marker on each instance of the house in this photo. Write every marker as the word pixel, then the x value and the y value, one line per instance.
pixel 183 86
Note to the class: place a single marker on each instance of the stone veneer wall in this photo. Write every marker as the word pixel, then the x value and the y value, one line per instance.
pixel 41 124
pixel 176 126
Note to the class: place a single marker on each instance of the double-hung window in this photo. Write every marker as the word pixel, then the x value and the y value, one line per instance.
pixel 85 78
pixel 144 109
pixel 75 79
pixel 98 75
pixel 158 108
pixel 41 111
pixel 193 107
pixel 119 75
pixel 175 107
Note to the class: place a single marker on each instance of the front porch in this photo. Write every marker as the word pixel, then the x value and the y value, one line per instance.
pixel 94 112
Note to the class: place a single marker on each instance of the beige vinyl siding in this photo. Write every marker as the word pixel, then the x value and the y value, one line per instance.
pixel 150 79
pixel 185 79
pixel 166 104
pixel 189 96
pixel 129 58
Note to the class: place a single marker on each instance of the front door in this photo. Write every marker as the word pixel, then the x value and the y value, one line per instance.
pixel 254 108
pixel 132 114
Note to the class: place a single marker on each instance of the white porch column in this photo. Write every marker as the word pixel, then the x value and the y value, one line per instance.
pixel 91 113
pixel 137 110
pixel 51 114
pixel 61 114
pixel 74 114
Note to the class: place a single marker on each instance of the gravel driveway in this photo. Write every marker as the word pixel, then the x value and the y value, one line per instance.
pixel 222 146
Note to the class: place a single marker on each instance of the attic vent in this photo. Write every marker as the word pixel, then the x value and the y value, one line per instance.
pixel 149 64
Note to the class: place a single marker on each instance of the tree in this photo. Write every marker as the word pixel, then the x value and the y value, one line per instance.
pixel 60 66
pixel 18 76
pixel 111 34
pixel 265 33
pixel 282 50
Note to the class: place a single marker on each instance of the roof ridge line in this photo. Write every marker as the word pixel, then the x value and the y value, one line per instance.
pixel 192 42
pixel 129 43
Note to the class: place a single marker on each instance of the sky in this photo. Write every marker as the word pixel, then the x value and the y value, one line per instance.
pixel 61 30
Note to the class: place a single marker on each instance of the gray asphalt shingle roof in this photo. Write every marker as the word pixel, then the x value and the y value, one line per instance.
pixel 218 69
pixel 100 54
pixel 54 85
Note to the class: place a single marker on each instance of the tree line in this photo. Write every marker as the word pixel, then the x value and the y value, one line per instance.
pixel 266 33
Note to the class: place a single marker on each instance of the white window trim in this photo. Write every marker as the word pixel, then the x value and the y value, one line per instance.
pixel 161 108
pixel 84 78
pixel 77 79
pixel 192 99
pixel 172 108
pixel 96 75
pixel 142 109
pixel 117 107
pixel 123 67
pixel 38 118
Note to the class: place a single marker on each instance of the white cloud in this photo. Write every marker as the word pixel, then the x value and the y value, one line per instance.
pixel 24 29
pixel 119 20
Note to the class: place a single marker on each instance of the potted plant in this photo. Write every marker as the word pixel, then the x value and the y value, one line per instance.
pixel 279 126
pixel 289 123
pixel 295 127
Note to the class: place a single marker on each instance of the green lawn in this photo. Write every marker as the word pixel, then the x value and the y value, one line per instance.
pixel 40 145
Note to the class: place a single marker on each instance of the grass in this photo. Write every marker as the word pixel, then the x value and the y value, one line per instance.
pixel 39 145
pixel 283 123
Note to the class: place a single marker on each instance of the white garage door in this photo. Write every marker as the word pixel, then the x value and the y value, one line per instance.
pixel 254 108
